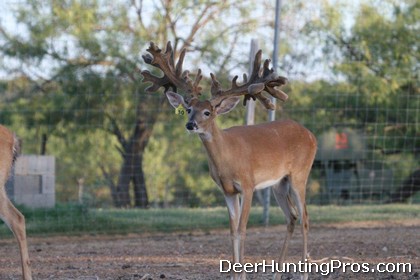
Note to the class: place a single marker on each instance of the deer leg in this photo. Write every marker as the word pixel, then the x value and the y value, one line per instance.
pixel 246 203
pixel 282 194
pixel 305 229
pixel 233 204
pixel 16 222
pixel 238 217
pixel 298 192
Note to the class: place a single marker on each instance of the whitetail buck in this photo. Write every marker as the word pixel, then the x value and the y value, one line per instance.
pixel 243 158
pixel 8 213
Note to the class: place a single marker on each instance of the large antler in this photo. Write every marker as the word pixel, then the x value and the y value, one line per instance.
pixel 173 76
pixel 261 80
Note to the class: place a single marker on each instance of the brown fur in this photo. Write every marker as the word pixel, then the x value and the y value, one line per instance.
pixel 8 213
pixel 244 158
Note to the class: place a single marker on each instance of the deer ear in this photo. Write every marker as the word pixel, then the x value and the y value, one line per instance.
pixel 227 105
pixel 175 99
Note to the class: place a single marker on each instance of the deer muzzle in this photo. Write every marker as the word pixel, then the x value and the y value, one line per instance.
pixel 191 125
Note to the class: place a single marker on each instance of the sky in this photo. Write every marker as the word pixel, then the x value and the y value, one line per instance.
pixel 266 35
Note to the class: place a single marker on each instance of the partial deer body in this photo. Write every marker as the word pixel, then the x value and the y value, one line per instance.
pixel 245 158
pixel 8 213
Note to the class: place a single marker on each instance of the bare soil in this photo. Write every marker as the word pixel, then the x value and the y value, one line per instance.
pixel 197 255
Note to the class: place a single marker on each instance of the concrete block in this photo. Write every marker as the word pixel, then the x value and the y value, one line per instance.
pixel 34 181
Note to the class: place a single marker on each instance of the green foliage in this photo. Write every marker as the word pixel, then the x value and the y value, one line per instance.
pixel 83 158
pixel 77 89
pixel 376 89
pixel 77 81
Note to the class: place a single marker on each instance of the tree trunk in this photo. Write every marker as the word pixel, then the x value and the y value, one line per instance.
pixel 44 140
pixel 122 197
pixel 141 199
pixel 132 169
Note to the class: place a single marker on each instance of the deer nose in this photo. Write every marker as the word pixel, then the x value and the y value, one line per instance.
pixel 191 125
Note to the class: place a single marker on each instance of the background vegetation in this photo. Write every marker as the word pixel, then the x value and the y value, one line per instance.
pixel 71 88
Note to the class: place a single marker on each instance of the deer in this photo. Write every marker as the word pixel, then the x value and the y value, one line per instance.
pixel 242 159
pixel 9 146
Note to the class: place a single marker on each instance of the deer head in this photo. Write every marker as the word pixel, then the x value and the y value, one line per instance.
pixel 203 112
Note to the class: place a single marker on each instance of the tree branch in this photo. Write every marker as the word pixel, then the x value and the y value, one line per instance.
pixel 116 130
pixel 139 11
pixel 109 179
pixel 199 23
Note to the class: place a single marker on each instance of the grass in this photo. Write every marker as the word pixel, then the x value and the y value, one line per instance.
pixel 74 219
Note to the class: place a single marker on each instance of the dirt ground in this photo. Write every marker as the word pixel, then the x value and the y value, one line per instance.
pixel 197 255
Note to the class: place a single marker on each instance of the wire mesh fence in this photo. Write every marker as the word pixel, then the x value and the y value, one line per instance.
pixel 71 90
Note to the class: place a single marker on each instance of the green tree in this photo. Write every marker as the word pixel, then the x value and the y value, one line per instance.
pixel 374 83
pixel 82 60
pixel 379 60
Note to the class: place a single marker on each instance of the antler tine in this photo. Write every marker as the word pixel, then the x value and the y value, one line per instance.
pixel 198 77
pixel 180 62
pixel 266 69
pixel 174 77
pixel 245 77
pixel 257 65
pixel 260 80
pixel 169 52
pixel 216 87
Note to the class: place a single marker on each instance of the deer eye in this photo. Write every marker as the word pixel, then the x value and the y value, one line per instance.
pixel 207 113
pixel 188 110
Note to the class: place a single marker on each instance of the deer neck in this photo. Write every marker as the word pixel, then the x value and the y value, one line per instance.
pixel 214 142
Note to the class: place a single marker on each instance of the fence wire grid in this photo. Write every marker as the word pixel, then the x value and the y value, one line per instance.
pixel 93 140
